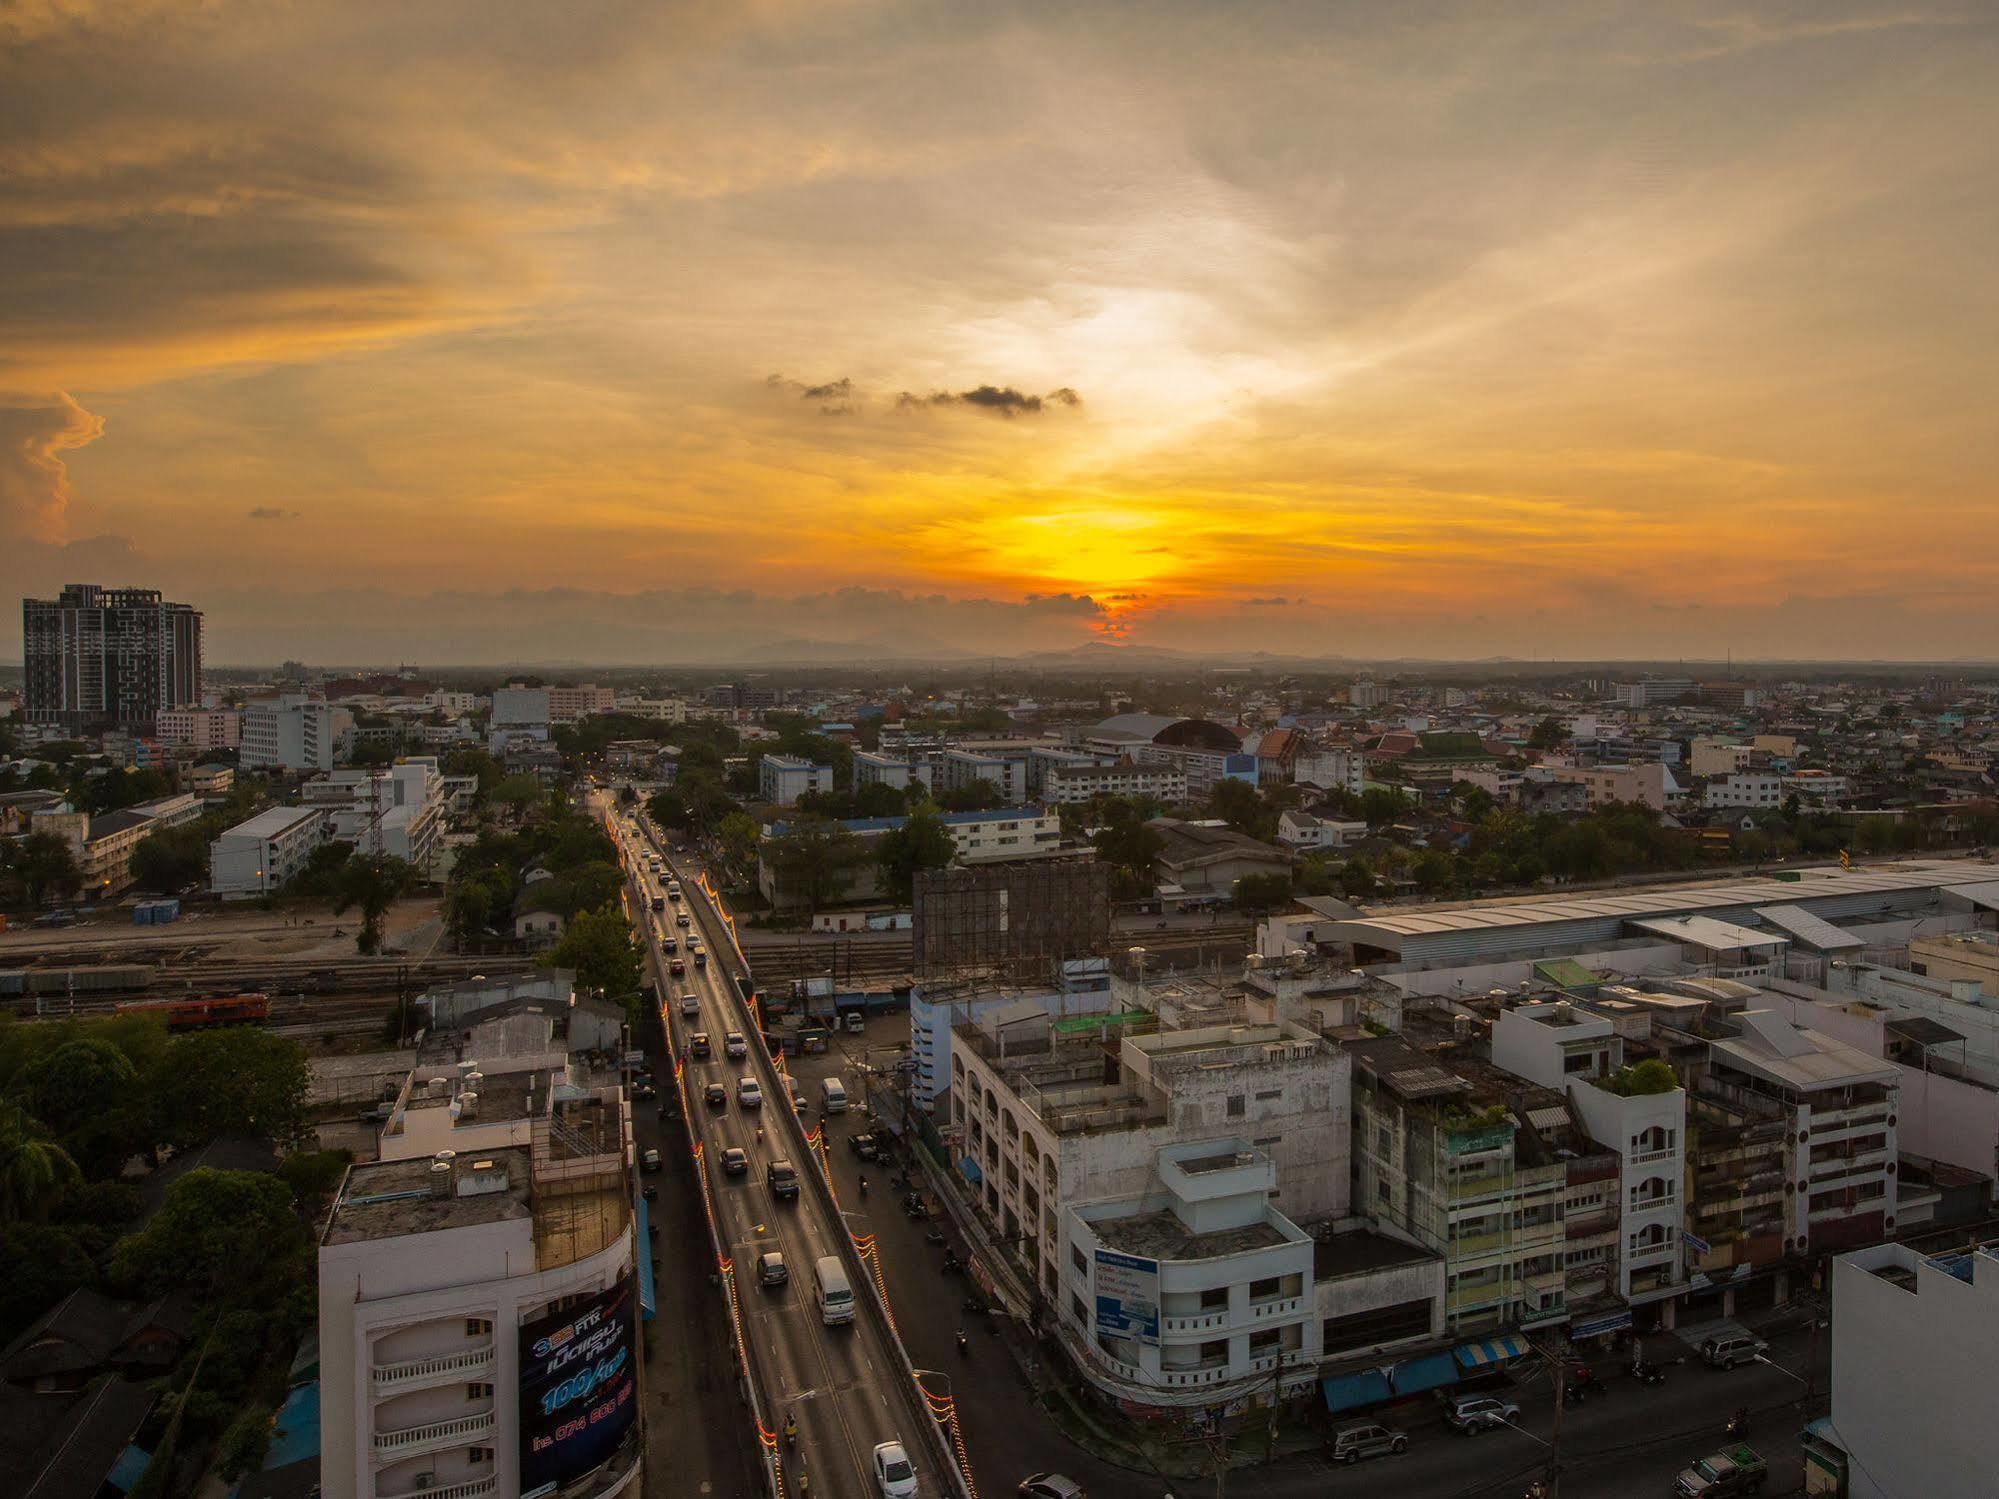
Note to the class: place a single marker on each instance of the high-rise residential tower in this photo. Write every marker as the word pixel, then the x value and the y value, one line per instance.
pixel 117 656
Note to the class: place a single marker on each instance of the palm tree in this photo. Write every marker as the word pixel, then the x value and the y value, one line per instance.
pixel 33 1168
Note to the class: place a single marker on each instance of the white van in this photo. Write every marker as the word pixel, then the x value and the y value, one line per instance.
pixel 836 1296
pixel 833 1096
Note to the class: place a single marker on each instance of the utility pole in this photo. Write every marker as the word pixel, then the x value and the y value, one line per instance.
pixel 1552 1489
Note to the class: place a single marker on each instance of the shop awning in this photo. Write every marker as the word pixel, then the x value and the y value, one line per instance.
pixel 645 1262
pixel 1346 1392
pixel 1603 1322
pixel 1432 1371
pixel 969 1169
pixel 1491 1351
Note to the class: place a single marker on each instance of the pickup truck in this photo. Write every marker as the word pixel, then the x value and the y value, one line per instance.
pixel 1735 1470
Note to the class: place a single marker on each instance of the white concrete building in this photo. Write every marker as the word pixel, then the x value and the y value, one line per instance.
pixel 568 705
pixel 291 732
pixel 1334 769
pixel 523 708
pixel 1648 785
pixel 1197 1283
pixel 934 1008
pixel 202 728
pixel 1717 757
pixel 1069 784
pixel 456 1287
pixel 783 779
pixel 1576 1052
pixel 398 812
pixel 1301 830
pixel 257 856
pixel 1745 789
pixel 893 771
pixel 954 769
pixel 1912 1340
pixel 1818 787
pixel 170 811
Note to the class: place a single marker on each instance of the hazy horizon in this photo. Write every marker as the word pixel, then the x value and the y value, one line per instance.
pixel 637 333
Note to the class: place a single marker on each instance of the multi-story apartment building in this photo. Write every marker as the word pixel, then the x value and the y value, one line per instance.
pixel 101 845
pixel 895 771
pixel 1818 787
pixel 1441 1157
pixel 202 728
pixel 1652 692
pixel 954 769
pixel 118 656
pixel 1070 784
pixel 978 837
pixel 291 732
pixel 1334 769
pixel 467 1276
pixel 398 812
pixel 1648 785
pixel 258 855
pixel 1084 1176
pixel 783 779
pixel 1745 789
pixel 568 705
pixel 1717 757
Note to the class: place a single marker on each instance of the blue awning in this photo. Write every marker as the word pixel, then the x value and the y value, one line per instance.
pixel 1414 1375
pixel 969 1169
pixel 1492 1351
pixel 1345 1392
pixel 129 1469
pixel 645 1262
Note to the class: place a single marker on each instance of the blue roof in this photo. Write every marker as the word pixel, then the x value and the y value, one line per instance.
pixel 1414 1375
pixel 949 819
pixel 295 1432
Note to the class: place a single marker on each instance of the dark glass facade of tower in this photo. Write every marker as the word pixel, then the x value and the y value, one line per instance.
pixel 108 657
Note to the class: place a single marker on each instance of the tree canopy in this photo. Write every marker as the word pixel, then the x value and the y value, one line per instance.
pixel 598 945
pixel 815 859
pixel 922 842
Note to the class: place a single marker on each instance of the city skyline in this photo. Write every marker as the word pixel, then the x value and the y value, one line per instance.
pixel 601 333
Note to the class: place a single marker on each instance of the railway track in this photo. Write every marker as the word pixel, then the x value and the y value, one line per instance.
pixel 874 963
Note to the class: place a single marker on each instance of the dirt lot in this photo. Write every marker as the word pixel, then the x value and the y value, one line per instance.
pixel 227 933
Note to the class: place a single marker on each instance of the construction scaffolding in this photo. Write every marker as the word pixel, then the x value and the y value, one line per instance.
pixel 1013 922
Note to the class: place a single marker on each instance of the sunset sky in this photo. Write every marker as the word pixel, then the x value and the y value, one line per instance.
pixel 621 330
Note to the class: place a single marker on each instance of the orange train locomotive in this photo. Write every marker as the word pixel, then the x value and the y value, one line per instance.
pixel 199 1014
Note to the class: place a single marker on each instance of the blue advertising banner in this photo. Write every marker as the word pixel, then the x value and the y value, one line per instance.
pixel 1127 1296
pixel 579 1389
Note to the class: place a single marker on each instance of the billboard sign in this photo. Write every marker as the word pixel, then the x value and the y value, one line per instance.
pixel 579 1389
pixel 1128 1296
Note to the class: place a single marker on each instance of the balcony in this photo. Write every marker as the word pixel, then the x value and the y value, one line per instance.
pixel 445 1368
pixel 434 1436
pixel 471 1488
pixel 1645 1156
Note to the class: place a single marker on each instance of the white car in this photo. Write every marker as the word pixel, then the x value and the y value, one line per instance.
pixel 895 1474
pixel 748 1094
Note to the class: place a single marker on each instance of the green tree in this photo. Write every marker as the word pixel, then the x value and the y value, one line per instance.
pixel 1548 733
pixel 1260 893
pixel 1357 877
pixel 371 883
pixel 737 833
pixel 598 945
pixel 518 793
pixel 473 761
pixel 1129 844
pixel 230 1082
pixel 216 1229
pixel 1243 808
pixel 1435 871
pixel 33 1168
pixel 879 800
pixel 78 1080
pixel 815 860
pixel 587 887
pixel 244 1443
pixel 922 842
pixel 1379 807
pixel 45 1262
pixel 974 796
pixel 45 865
pixel 172 858
pixel 319 878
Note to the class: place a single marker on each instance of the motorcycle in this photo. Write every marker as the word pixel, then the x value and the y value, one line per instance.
pixel 790 1432
pixel 1646 1373
pixel 1738 1425
pixel 952 1264
pixel 964 1344
pixel 864 1186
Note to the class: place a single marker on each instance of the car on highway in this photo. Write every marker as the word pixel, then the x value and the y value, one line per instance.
pixel 1472 1414
pixel 717 1096
pixel 1049 1486
pixel 669 943
pixel 649 1192
pixel 697 1046
pixel 683 919
pixel 1365 1439
pixel 676 968
pixel 690 1006
pixel 771 1269
pixel 748 1093
pixel 895 1474
pixel 700 954
pixel 735 1161
pixel 734 1045
pixel 649 1161
pixel 782 1179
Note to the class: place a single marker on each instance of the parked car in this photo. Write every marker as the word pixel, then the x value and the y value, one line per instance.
pixel 895 1474
pixel 1049 1486
pixel 856 1022
pixel 735 1161
pixel 771 1268
pixel 697 1046
pixel 734 1045
pixel 863 1145
pixel 649 1161
pixel 1726 1350
pixel 1368 1439
pixel 643 1090
pixel 717 1096
pixel 1475 1413
pixel 1735 1470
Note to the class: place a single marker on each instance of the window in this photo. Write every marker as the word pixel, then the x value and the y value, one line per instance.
pixel 478 1392
pixel 1269 1340
pixel 1263 1290
pixel 1077 1309
pixel 1580 1061
pixel 478 1327
pixel 1238 1105
pixel 1215 1351
pixel 1076 1258
pixel 1269 1093
pixel 1214 1298
pixel 478 1454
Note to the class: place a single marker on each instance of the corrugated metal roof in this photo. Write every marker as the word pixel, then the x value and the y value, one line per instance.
pixel 1705 931
pixel 1816 933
